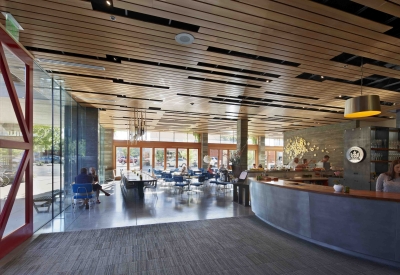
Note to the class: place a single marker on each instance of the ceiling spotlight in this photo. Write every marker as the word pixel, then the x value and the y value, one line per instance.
pixel 322 76
pixel 184 38
pixel 267 80
pixel 112 17
pixel 108 3
pixel 340 95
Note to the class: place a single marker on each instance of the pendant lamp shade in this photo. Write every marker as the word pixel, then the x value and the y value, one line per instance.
pixel 362 106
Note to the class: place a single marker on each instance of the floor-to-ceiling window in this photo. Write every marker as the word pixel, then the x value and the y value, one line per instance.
pixel 159 158
pixel 171 158
pixel 121 160
pixel 147 159
pixel 193 159
pixel 134 158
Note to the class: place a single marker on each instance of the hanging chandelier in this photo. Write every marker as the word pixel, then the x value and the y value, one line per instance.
pixel 137 127
pixel 363 105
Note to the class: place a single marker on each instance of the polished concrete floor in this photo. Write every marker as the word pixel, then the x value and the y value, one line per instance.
pixel 163 206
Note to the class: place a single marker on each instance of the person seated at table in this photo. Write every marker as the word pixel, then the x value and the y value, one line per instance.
pixel 260 166
pixel 223 173
pixel 184 169
pixel 254 166
pixel 96 186
pixel 210 170
pixel 83 177
pixel 390 180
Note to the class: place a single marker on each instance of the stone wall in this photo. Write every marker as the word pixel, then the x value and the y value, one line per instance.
pixel 328 138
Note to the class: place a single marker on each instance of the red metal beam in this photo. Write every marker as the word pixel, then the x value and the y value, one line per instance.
pixel 18 236
pixel 5 214
pixel 4 143
pixel 13 94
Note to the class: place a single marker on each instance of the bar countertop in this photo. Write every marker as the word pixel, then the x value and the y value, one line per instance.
pixel 328 190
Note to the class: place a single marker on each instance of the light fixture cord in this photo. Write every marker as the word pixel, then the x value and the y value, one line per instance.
pixel 362 74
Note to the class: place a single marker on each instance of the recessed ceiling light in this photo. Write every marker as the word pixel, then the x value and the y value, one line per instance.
pixel 184 38
pixel 108 3
pixel 340 95
pixel 322 76
pixel 113 18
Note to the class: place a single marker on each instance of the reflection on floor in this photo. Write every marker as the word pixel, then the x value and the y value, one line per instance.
pixel 164 206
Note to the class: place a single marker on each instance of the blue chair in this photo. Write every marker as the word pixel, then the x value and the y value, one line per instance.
pixel 180 183
pixel 82 192
pixel 157 173
pixel 151 185
pixel 199 183
pixel 167 177
pixel 216 178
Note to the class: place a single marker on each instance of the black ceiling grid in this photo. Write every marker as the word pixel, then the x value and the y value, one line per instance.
pixel 115 80
pixel 367 13
pixel 100 5
pixel 209 65
pixel 384 103
pixel 291 95
pixel 118 59
pixel 224 82
pixel 123 96
pixel 252 56
pixel 373 81
pixel 355 60
pixel 257 103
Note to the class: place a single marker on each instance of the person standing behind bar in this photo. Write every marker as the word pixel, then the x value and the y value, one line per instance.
pixel 323 163
pixel 293 164
pixel 390 180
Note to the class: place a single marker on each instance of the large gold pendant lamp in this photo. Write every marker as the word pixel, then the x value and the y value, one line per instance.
pixel 363 105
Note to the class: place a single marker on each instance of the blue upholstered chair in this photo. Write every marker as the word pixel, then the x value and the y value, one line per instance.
pixel 167 177
pixel 180 183
pixel 198 183
pixel 82 192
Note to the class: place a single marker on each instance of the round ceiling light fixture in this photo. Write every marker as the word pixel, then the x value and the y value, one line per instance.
pixel 184 38
pixel 363 105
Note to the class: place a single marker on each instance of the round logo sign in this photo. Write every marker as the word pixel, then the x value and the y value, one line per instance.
pixel 355 154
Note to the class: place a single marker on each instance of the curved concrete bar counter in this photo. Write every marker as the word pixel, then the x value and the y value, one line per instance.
pixel 362 223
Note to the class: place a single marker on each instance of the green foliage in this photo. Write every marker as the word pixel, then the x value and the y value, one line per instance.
pixel 196 137
pixel 43 137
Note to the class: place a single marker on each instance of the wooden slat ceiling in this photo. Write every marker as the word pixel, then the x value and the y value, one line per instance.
pixel 284 64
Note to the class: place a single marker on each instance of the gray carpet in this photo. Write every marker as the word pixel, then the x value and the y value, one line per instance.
pixel 242 245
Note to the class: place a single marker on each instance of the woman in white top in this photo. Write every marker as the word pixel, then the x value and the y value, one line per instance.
pixel 390 181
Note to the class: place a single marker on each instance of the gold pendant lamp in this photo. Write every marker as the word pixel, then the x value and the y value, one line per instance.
pixel 363 105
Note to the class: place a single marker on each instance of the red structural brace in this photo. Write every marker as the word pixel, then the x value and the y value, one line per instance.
pixel 15 238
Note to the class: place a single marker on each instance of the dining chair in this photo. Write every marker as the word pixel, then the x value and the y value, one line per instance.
pixel 180 183
pixel 82 192
pixel 198 183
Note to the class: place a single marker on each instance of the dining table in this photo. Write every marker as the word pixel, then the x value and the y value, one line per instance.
pixel 139 181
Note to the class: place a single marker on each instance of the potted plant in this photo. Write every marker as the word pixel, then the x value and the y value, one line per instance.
pixel 337 186
pixel 234 160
